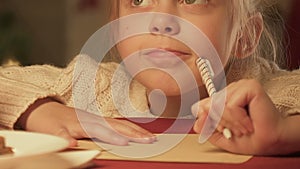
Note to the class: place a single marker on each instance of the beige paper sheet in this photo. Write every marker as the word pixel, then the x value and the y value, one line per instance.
pixel 187 150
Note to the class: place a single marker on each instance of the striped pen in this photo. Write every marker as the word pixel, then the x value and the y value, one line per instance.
pixel 207 75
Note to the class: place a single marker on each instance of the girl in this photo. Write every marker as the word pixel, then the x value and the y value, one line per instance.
pixel 261 100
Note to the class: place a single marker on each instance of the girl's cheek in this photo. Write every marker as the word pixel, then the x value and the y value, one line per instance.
pixel 131 45
pixel 121 50
pixel 124 49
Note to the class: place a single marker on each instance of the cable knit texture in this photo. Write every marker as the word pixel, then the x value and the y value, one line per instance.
pixel 87 85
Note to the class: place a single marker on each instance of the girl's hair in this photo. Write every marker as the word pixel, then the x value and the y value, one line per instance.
pixel 114 12
pixel 113 54
pixel 271 42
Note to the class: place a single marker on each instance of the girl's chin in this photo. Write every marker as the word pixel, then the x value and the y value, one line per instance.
pixel 158 80
pixel 167 90
pixel 167 93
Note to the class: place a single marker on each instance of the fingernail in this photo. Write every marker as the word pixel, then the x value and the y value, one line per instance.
pixel 145 140
pixel 118 140
pixel 73 143
pixel 150 139
pixel 151 135
pixel 196 110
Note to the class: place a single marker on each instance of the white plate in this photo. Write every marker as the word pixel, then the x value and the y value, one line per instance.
pixel 29 144
pixel 63 160
pixel 78 158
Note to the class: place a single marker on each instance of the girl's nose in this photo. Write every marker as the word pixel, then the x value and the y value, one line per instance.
pixel 164 24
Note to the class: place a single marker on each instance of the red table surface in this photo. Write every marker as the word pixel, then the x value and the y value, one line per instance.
pixel 160 125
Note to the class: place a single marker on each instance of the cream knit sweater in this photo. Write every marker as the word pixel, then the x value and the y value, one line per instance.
pixel 22 86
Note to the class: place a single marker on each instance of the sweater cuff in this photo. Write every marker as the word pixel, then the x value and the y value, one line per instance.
pixel 17 99
pixel 293 111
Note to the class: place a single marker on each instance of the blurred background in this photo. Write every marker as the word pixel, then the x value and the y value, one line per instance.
pixel 54 31
pixel 48 31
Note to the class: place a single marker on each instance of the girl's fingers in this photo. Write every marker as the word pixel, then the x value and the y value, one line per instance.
pixel 132 131
pixel 237 118
pixel 108 135
pixel 126 129
pixel 236 129
pixel 200 107
pixel 234 117
pixel 199 124
pixel 247 123
pixel 146 133
pixel 64 133
pixel 219 140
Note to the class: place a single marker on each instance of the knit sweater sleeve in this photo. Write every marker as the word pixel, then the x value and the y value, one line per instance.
pixel 284 90
pixel 282 86
pixel 22 86
pixel 88 85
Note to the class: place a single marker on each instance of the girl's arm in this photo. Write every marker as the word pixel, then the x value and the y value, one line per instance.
pixel 22 86
pixel 48 116
pixel 290 138
pixel 25 94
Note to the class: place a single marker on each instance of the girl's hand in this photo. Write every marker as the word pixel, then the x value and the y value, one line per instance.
pixel 47 116
pixel 251 115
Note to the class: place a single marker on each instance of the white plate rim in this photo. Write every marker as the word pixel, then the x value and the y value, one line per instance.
pixel 44 140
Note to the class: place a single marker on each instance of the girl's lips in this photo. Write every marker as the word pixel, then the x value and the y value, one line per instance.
pixel 163 58
pixel 163 51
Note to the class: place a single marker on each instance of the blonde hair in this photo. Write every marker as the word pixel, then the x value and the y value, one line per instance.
pixel 271 42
